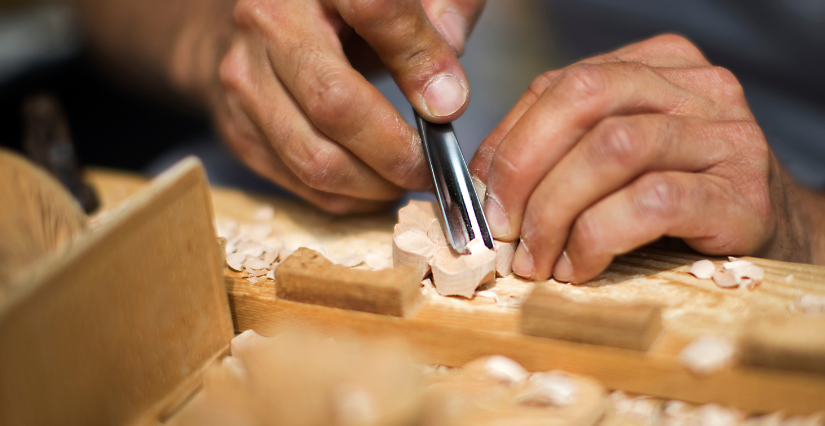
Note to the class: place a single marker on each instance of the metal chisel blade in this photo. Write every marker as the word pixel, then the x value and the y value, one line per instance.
pixel 463 217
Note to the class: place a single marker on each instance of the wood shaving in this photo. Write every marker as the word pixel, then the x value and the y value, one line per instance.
pixel 253 280
pixel 504 369
pixel 259 232
pixel 255 273
pixel 250 248
pixel 724 278
pixel 376 261
pixel 350 260
pixel 271 274
pixel 255 263
pixel 707 353
pixel 550 388
pixel 702 269
pixel 490 295
pixel 271 255
pixel 264 214
pixel 235 261
pixel 810 304
pixel 788 279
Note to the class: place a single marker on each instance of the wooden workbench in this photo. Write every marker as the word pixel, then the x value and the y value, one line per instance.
pixel 452 331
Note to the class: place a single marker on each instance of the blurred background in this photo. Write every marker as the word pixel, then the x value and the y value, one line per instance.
pixel 775 47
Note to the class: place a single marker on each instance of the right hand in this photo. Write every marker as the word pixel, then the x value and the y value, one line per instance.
pixel 292 106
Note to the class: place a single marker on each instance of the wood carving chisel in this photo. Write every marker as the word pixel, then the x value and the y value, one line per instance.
pixel 460 208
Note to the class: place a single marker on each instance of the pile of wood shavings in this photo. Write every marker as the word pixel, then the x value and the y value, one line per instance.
pixel 254 251
pixel 733 274
pixel 646 410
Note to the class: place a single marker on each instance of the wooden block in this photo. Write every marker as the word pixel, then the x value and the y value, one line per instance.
pixel 115 329
pixel 795 343
pixel 547 314
pixel 306 276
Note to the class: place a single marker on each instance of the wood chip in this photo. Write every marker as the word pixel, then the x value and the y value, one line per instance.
pixel 459 275
pixel 377 262
pixel 707 353
pixel 255 263
pixel 271 255
pixel 550 388
pixel 271 274
pixel 490 295
pixel 702 269
pixel 810 304
pixel 253 280
pixel 501 368
pixel 504 256
pixel 235 261
pixel 350 260
pixel 264 214
pixel 250 248
pixel 259 232
pixel 724 278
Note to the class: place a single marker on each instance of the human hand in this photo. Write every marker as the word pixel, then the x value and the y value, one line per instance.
pixel 621 149
pixel 292 106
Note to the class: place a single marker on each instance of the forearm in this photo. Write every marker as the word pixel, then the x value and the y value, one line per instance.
pixel 171 44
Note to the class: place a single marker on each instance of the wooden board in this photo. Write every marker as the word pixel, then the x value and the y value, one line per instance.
pixel 454 331
pixel 115 330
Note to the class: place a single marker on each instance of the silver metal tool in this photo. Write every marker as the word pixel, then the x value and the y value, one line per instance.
pixel 460 207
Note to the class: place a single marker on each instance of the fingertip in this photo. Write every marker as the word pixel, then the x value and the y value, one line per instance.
pixel 445 97
pixel 563 269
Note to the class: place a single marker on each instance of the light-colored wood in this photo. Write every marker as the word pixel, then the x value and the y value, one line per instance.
pixel 504 257
pixel 630 326
pixel 307 276
pixel 38 216
pixel 413 249
pixel 454 331
pixel 796 343
pixel 460 274
pixel 112 331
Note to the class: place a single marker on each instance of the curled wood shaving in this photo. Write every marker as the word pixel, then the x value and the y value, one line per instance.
pixel 491 295
pixel 235 261
pixel 271 274
pixel 253 280
pixel 702 269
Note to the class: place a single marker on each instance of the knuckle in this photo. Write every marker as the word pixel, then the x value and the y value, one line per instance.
pixel 620 142
pixel 728 83
pixel 583 81
pixel 542 82
pixel 329 97
pixel 657 196
pixel 370 10
pixel 319 167
pixel 233 70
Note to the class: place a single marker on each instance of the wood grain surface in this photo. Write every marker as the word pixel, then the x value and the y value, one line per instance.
pixel 453 331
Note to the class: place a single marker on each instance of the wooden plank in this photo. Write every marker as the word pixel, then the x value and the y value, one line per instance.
pixel 439 336
pixel 306 276
pixel 630 326
pixel 117 327
pixel 453 331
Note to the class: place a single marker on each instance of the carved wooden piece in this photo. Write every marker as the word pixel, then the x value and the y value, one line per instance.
pixel 547 314
pixel 796 343
pixel 504 256
pixel 459 275
pixel 307 276
pixel 413 249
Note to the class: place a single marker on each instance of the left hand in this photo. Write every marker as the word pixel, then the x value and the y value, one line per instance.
pixel 619 150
